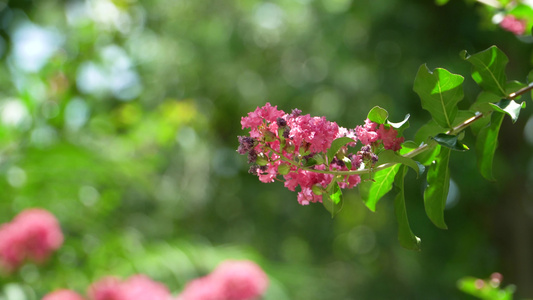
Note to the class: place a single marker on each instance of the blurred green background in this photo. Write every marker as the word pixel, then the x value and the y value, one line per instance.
pixel 121 117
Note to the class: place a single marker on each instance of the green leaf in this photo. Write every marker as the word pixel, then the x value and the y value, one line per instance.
pixel 378 115
pixel 336 145
pixel 400 126
pixel 489 69
pixel 486 143
pixel 450 141
pixel 438 185
pixel 441 2
pixel 405 235
pixel 389 156
pixel 440 91
pixel 372 191
pixel 488 290
pixel 333 200
pixel 510 107
pixel 483 106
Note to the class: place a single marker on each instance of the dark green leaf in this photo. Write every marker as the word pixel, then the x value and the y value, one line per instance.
pixel 440 91
pixel 389 156
pixel 489 69
pixel 483 106
pixel 336 145
pixel 372 191
pixel 438 185
pixel 333 200
pixel 486 143
pixel 450 141
pixel 510 107
pixel 378 115
pixel 405 235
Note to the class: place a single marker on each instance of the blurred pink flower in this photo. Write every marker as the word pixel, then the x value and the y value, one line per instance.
pixel 63 295
pixel 240 280
pixel 514 25
pixel 137 287
pixel 231 280
pixel 34 234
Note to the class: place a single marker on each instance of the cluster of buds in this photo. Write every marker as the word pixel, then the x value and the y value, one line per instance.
pixel 295 146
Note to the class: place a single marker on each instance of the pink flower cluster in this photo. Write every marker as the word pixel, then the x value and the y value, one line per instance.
pixel 137 287
pixel 514 25
pixel 231 280
pixel 295 146
pixel 32 235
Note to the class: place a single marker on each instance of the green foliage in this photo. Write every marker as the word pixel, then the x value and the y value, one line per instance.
pixel 509 107
pixel 489 69
pixel 380 184
pixel 486 289
pixel 378 115
pixel 336 145
pixel 439 91
pixel 450 141
pixel 486 144
pixel 333 201
pixel 438 184
pixel 405 235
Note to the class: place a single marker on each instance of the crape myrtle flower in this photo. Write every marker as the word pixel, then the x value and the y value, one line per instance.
pixel 31 236
pixel 137 287
pixel 514 25
pixel 63 295
pixel 231 280
pixel 294 146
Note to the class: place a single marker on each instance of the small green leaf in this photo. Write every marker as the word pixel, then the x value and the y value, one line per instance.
pixel 336 145
pixel 372 191
pixel 405 235
pixel 450 141
pixel 510 107
pixel 378 115
pixel 438 185
pixel 486 143
pixel 333 200
pixel 400 126
pixel 489 69
pixel 440 91
pixel 389 156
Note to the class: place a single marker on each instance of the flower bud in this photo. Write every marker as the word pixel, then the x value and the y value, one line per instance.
pixel 317 189
pixel 269 136
pixel 261 160
pixel 284 169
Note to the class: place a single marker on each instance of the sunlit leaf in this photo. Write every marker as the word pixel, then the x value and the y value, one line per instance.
pixel 439 91
pixel 336 145
pixel 372 191
pixel 438 185
pixel 489 69
pixel 486 143
pixel 405 234
pixel 390 156
pixel 400 126
pixel 378 115
pixel 333 200
pixel 510 107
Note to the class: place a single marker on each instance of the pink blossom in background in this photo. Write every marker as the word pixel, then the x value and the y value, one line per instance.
pixel 514 25
pixel 137 287
pixel 240 280
pixel 231 280
pixel 34 234
pixel 107 288
pixel 63 295
pixel 142 287
pixel 203 288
